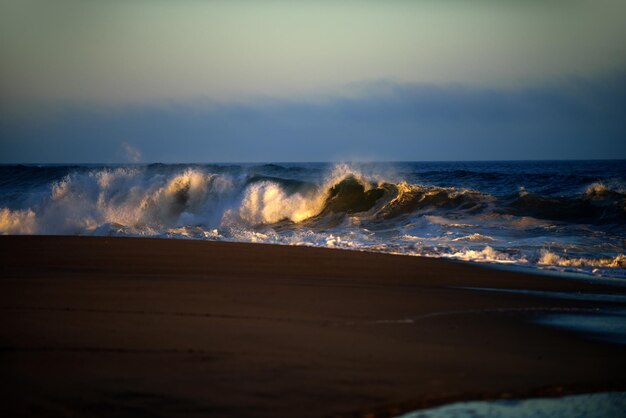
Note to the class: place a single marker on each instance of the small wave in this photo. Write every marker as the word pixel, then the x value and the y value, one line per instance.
pixel 596 189
pixel 446 222
pixel 488 255
pixel 597 205
pixel 474 237
pixel 601 190
pixel 548 258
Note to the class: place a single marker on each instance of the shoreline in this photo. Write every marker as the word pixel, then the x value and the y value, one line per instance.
pixel 192 327
pixel 532 269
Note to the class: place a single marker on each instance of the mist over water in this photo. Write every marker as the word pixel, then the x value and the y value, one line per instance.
pixel 556 215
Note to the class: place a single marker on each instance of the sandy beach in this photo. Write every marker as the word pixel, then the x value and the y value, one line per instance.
pixel 161 328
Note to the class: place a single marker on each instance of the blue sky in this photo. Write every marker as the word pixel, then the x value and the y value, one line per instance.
pixel 217 81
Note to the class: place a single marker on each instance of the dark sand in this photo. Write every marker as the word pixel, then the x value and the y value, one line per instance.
pixel 147 327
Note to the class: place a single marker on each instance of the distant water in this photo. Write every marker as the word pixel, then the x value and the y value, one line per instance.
pixel 595 405
pixel 550 214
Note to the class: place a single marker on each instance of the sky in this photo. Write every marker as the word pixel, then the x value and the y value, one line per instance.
pixel 243 81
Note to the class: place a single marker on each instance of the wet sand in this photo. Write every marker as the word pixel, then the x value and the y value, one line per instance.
pixel 160 328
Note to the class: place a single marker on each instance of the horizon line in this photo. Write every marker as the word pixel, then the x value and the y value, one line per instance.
pixel 312 162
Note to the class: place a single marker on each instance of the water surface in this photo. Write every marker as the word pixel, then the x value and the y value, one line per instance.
pixel 561 215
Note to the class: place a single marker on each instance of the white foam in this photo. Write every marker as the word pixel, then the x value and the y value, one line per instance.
pixel 474 237
pixel 548 258
pixel 488 254
pixel 17 222
pixel 268 203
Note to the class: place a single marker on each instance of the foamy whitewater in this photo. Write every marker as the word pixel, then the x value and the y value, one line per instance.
pixel 567 216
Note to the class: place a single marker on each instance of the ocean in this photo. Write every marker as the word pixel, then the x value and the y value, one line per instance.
pixel 557 215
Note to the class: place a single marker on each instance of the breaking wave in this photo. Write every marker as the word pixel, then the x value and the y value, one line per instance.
pixel 348 207
pixel 83 201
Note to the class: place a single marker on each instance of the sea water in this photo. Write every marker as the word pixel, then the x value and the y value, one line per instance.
pixel 595 405
pixel 560 215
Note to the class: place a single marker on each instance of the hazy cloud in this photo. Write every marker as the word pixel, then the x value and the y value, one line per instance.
pixel 384 121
